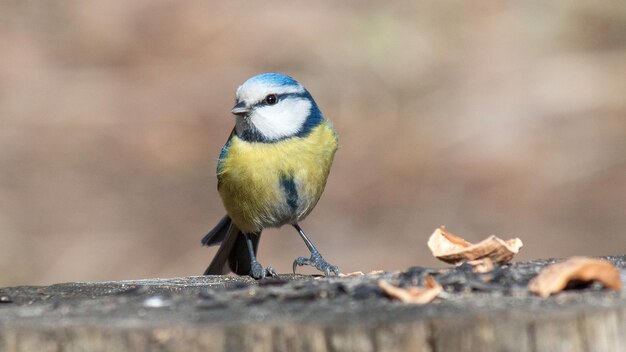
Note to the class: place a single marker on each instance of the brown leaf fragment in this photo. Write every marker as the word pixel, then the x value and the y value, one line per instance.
pixel 453 249
pixel 413 295
pixel 554 278
pixel 376 272
pixel 354 273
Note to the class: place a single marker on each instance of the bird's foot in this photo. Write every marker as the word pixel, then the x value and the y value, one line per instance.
pixel 318 262
pixel 257 271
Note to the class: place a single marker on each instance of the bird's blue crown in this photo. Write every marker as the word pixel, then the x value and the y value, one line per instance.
pixel 273 78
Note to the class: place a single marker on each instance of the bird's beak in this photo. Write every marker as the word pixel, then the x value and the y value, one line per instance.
pixel 240 109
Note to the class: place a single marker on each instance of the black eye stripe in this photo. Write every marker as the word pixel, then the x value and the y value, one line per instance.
pixel 281 97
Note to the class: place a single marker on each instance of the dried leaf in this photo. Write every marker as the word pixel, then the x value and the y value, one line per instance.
pixel 554 278
pixel 454 250
pixel 354 273
pixel 413 295
pixel 360 273
pixel 376 272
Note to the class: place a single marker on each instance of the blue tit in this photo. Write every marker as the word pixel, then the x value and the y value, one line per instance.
pixel 271 172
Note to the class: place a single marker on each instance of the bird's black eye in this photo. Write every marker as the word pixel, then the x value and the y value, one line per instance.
pixel 271 99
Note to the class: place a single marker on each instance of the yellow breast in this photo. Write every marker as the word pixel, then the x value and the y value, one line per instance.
pixel 251 178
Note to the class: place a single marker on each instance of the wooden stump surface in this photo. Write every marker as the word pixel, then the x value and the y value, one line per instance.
pixel 477 312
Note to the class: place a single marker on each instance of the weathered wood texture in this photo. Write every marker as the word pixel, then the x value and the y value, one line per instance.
pixel 306 314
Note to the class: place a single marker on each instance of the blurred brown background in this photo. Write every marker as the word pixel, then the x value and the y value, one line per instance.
pixel 485 117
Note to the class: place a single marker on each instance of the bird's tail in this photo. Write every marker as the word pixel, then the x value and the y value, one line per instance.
pixel 233 249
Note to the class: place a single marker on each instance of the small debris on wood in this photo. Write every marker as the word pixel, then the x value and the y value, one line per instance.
pixel 237 285
pixel 557 277
pixel 453 249
pixel 133 290
pixel 413 295
pixel 376 272
pixel 482 266
pixel 464 279
pixel 360 273
pixel 355 273
pixel 156 302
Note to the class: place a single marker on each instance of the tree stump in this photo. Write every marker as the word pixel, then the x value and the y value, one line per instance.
pixel 476 312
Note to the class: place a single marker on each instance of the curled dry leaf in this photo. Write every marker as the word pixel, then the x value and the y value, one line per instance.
pixel 554 278
pixel 414 295
pixel 454 250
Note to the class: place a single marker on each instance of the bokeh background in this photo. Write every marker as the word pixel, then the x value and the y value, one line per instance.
pixel 488 117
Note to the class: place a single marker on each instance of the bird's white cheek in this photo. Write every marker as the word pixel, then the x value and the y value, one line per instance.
pixel 283 119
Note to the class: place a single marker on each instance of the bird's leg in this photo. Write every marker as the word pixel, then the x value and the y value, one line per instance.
pixel 316 259
pixel 256 269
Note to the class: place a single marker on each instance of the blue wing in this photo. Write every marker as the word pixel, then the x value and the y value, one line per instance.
pixel 223 156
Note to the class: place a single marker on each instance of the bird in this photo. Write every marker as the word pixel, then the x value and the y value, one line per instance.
pixel 271 172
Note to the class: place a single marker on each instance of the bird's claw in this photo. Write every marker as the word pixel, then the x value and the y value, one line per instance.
pixel 318 262
pixel 270 271
pixel 257 271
